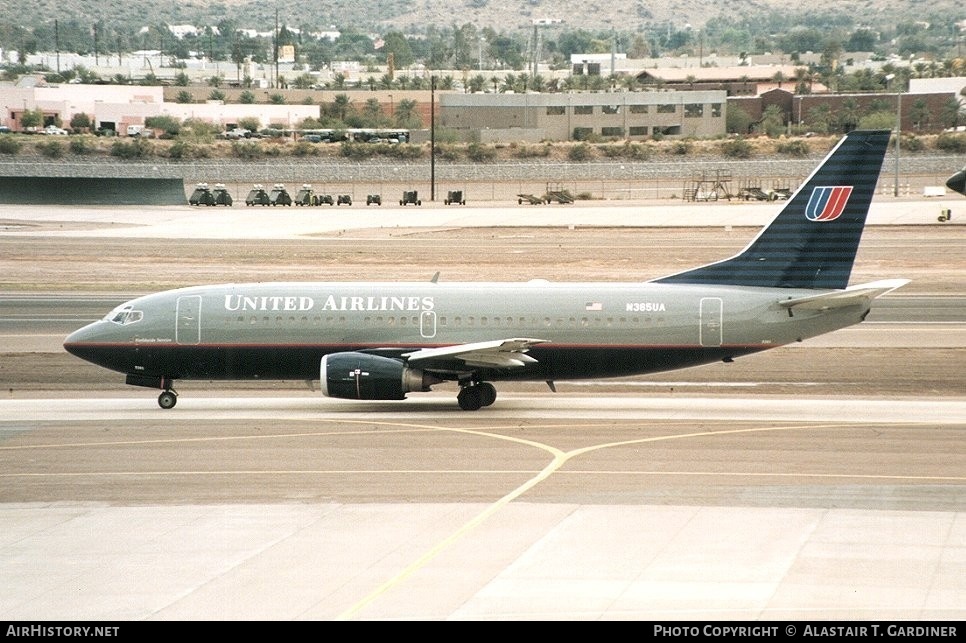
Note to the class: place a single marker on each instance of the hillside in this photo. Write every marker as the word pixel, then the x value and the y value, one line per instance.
pixel 501 15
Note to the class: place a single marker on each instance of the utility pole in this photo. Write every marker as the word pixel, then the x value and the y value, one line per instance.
pixel 432 138
pixel 276 47
pixel 898 134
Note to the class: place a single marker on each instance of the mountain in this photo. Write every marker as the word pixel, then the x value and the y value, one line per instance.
pixel 501 15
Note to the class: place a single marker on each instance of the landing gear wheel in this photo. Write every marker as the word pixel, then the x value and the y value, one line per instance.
pixel 487 393
pixel 470 398
pixel 167 400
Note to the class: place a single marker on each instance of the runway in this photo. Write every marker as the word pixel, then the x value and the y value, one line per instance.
pixel 823 480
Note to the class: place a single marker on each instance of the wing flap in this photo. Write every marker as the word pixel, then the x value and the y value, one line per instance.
pixel 851 296
pixel 500 353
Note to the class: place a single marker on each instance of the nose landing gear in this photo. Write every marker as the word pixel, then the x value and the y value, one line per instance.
pixel 168 399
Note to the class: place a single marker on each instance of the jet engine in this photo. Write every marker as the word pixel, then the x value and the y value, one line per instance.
pixel 358 376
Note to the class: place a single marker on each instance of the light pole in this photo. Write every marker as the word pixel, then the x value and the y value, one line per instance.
pixel 432 138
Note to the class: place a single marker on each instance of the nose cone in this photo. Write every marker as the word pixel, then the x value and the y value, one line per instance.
pixel 83 341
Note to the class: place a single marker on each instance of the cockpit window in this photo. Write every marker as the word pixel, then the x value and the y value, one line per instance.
pixel 125 315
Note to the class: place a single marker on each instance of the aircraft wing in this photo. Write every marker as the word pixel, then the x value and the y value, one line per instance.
pixel 500 353
pixel 851 296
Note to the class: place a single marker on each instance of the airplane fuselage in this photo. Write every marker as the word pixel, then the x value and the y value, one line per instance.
pixel 380 341
pixel 282 330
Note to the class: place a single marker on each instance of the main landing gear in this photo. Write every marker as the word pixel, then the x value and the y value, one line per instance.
pixel 475 395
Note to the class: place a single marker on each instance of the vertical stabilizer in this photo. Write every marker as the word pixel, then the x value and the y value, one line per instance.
pixel 813 240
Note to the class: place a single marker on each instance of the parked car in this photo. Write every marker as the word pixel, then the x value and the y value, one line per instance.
pixel 237 134
pixel 53 130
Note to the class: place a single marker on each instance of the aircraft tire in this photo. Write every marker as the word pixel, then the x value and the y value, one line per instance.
pixel 487 393
pixel 470 398
pixel 167 400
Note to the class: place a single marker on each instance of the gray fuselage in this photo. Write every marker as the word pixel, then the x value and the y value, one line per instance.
pixel 281 330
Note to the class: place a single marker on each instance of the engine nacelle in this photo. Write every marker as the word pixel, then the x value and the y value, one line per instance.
pixel 358 376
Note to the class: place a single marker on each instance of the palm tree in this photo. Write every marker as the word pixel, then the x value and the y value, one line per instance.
pixel 820 115
pixel 920 114
pixel 406 115
pixel 341 105
pixel 849 114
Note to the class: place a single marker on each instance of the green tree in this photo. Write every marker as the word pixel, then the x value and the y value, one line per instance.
pixel 773 121
pixel 920 114
pixel 80 121
pixel 341 107
pixel 477 83
pixel 738 121
pixel 407 116
pixel 373 115
pixel 819 118
pixel 950 115
pixel 184 97
pixel 395 43
pixel 849 115
pixel 251 123
pixel 246 97
pixel 170 124
pixel 32 118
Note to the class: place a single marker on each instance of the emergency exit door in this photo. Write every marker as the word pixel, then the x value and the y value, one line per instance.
pixel 711 326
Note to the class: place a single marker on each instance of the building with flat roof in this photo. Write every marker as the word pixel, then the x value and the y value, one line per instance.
pixel 115 107
pixel 584 115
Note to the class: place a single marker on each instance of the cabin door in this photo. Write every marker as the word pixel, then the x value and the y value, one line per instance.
pixel 188 323
pixel 711 327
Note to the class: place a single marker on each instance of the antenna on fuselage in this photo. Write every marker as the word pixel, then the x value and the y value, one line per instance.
pixel 435 278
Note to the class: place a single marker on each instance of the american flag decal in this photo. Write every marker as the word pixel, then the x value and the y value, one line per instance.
pixel 827 202
pixel 594 305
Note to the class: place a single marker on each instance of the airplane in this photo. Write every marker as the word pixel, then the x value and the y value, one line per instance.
pixel 957 182
pixel 381 341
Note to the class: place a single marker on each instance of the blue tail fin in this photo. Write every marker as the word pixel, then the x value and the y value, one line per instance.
pixel 813 240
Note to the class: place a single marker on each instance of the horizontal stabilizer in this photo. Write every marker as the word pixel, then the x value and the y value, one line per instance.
pixel 851 296
pixel 500 353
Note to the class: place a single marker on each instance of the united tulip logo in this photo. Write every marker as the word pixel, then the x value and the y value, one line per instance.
pixel 827 202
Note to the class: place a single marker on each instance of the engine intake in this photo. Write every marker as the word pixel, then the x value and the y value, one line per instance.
pixel 358 376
